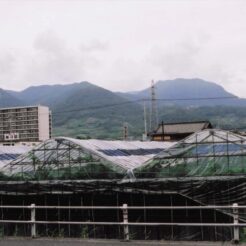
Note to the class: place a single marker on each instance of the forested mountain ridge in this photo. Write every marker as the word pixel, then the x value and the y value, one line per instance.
pixel 86 110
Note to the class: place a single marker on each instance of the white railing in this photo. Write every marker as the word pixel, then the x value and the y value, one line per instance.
pixel 125 223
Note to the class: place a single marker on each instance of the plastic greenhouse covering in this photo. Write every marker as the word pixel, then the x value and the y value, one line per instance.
pixel 207 153
pixel 207 168
pixel 66 158
pixel 204 154
pixel 10 153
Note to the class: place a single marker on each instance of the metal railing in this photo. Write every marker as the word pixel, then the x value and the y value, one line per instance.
pixel 125 222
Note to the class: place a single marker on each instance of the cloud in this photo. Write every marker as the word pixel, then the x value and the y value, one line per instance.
pixel 7 64
pixel 175 59
pixel 199 58
pixel 9 69
pixel 94 46
pixel 49 42
pixel 122 45
pixel 7 61
pixel 54 61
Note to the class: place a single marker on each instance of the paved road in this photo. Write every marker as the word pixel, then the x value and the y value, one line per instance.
pixel 75 242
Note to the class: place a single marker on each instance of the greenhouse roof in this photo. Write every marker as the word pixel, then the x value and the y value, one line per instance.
pixel 127 154
pixel 200 140
pixel 210 152
pixel 68 158
pixel 206 153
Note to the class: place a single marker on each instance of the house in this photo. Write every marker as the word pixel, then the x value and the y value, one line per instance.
pixel 178 131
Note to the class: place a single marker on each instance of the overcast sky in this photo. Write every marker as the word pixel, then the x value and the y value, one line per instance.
pixel 122 45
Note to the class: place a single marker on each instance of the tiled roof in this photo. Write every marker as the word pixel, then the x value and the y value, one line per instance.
pixel 179 128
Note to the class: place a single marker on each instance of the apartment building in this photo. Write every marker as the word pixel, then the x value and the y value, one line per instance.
pixel 25 125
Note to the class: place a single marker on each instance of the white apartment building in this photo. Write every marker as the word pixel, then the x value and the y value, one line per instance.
pixel 25 125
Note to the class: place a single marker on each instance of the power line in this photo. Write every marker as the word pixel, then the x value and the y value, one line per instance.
pixel 198 99
pixel 141 100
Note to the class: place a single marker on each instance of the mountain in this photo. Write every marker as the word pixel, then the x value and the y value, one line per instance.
pixel 86 110
pixel 8 100
pixel 90 108
pixel 83 109
pixel 47 94
pixel 187 88
pixel 196 89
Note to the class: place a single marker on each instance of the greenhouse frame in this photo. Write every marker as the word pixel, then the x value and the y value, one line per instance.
pixel 207 168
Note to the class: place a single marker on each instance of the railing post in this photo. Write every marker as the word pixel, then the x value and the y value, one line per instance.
pixel 235 222
pixel 33 219
pixel 125 222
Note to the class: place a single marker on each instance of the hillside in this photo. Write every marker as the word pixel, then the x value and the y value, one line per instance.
pixel 92 109
pixel 7 100
pixel 83 109
pixel 47 94
pixel 188 89
pixel 86 110
pixel 224 117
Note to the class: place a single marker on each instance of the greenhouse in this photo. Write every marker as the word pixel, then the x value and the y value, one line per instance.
pixel 207 168
pixel 204 154
pixel 67 158
pixel 209 153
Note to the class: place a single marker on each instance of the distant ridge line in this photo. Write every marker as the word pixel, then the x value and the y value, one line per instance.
pixel 141 100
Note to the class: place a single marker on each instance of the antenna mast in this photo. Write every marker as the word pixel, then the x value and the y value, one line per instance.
pixel 145 120
pixel 144 136
pixel 125 131
pixel 154 111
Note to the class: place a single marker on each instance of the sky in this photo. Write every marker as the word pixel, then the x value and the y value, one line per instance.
pixel 122 45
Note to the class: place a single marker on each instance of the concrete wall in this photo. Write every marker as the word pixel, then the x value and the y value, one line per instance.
pixel 43 122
